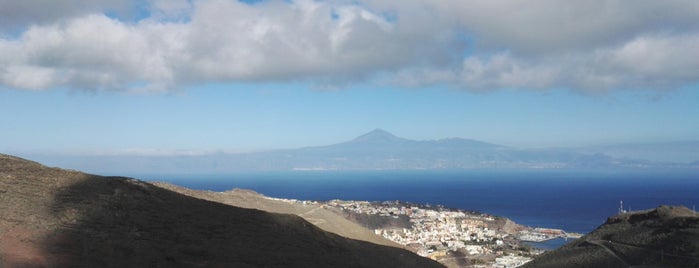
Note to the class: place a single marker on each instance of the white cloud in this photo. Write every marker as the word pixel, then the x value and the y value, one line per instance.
pixel 548 26
pixel 475 45
pixel 19 14
pixel 91 52
pixel 662 59
pixel 28 77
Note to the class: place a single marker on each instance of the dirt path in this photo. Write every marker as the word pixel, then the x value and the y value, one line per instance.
pixel 601 243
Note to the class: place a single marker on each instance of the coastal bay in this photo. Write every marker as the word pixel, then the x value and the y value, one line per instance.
pixel 572 201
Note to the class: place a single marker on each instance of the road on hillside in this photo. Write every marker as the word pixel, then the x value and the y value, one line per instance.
pixel 601 243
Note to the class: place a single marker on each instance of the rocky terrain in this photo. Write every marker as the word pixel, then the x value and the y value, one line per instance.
pixel 51 217
pixel 663 237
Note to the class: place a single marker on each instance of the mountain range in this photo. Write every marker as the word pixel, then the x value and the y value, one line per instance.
pixel 381 150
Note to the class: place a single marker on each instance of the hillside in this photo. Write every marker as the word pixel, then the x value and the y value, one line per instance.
pixel 60 218
pixel 324 218
pixel 662 237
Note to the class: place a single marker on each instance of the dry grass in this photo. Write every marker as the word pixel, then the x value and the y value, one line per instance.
pixel 56 218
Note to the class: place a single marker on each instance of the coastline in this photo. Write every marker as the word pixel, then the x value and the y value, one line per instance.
pixel 561 200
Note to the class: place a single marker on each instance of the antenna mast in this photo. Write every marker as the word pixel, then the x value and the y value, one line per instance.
pixel 621 207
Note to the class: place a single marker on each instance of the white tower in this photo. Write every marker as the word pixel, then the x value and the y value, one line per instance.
pixel 621 207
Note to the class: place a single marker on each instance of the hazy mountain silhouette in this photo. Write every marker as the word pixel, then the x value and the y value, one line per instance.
pixel 51 217
pixel 375 150
pixel 678 152
pixel 380 139
pixel 377 136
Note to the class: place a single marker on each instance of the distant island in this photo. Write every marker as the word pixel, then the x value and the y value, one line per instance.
pixel 381 150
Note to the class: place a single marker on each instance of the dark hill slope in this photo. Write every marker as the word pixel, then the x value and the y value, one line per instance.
pixel 317 214
pixel 661 237
pixel 51 217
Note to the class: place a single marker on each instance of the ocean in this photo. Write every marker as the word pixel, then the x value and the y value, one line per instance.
pixel 575 201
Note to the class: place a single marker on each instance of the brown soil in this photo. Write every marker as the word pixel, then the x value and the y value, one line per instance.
pixel 316 214
pixel 58 218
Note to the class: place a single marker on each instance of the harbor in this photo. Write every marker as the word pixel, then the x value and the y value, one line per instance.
pixel 539 235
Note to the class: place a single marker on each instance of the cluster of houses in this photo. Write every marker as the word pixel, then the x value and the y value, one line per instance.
pixel 436 231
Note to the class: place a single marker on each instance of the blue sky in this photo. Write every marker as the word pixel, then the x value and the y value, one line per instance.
pixel 161 77
pixel 235 117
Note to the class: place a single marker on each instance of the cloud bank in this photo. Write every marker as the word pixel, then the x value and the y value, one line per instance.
pixel 160 45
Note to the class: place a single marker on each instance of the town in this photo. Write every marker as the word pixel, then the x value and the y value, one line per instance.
pixel 443 234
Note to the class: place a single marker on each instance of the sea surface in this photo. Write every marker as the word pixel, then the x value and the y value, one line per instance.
pixel 575 201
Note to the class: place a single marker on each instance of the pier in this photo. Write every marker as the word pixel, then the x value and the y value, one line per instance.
pixel 539 235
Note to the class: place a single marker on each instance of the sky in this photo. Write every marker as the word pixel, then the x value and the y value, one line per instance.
pixel 201 76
